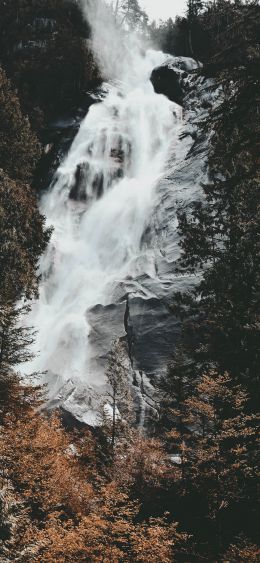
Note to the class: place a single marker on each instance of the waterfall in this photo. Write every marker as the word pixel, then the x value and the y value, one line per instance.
pixel 99 205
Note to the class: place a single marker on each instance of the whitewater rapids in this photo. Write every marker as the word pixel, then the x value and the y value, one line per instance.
pixel 99 205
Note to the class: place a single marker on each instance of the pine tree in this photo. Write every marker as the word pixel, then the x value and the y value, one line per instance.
pixel 128 12
pixel 175 388
pixel 226 454
pixel 23 239
pixel 219 236
pixel 15 349
pixel 44 51
pixel 193 9
pixel 219 452
pixel 118 412
pixel 19 147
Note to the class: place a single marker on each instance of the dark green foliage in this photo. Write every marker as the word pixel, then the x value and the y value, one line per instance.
pixel 220 236
pixel 170 36
pixel 226 302
pixel 210 395
pixel 22 238
pixel 233 31
pixel 194 8
pixel 44 50
pixel 186 36
pixel 15 340
pixel 15 349
pixel 211 31
pixel 19 146
pixel 175 388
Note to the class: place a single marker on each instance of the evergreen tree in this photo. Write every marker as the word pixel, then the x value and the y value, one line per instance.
pixel 118 407
pixel 23 239
pixel 217 444
pixel 15 340
pixel 129 13
pixel 193 9
pixel 170 36
pixel 19 147
pixel 224 453
pixel 219 236
pixel 44 51
pixel 175 388
pixel 15 349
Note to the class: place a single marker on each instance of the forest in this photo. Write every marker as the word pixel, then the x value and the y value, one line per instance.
pixel 186 488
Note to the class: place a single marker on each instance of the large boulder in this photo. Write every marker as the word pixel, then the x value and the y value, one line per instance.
pixel 187 64
pixel 169 78
pixel 166 80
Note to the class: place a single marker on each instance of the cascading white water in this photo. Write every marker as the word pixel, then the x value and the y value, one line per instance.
pixel 99 204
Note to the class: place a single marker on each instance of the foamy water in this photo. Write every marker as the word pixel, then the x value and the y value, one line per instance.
pixel 100 203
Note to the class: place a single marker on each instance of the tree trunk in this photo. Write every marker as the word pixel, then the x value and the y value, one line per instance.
pixel 190 43
pixel 113 437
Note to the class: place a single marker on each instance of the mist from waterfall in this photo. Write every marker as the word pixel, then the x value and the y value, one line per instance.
pixel 100 204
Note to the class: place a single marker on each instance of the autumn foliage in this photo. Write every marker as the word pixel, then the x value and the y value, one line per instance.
pixel 60 506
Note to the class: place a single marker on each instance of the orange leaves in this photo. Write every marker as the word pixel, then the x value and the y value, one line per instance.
pixel 243 550
pixel 153 542
pixel 40 462
pixel 69 510
pixel 144 461
pixel 96 539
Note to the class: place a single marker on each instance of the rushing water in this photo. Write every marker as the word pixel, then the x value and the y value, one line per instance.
pixel 99 204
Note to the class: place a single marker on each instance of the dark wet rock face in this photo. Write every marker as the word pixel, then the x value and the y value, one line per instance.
pixel 58 137
pixel 166 81
pixel 139 311
pixel 152 331
pixel 78 192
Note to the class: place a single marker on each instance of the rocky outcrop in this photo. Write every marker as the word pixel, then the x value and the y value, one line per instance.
pixel 169 78
pixel 139 311
pixel 166 81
